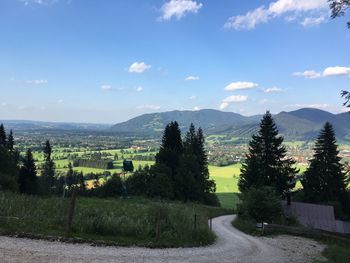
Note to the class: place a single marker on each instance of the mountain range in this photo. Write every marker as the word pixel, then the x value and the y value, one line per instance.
pixel 302 124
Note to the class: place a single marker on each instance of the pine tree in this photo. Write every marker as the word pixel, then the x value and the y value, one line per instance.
pixel 10 142
pixel 324 180
pixel 27 175
pixel 48 171
pixel 3 138
pixel 266 163
pixel 171 148
pixel 195 150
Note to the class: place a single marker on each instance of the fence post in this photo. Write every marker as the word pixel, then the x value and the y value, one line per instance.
pixel 158 225
pixel 71 211
pixel 195 225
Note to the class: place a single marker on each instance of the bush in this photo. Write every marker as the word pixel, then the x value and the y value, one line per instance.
pixel 112 188
pixel 261 205
pixel 8 182
pixel 211 199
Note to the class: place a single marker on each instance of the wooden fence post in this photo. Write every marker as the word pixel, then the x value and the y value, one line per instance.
pixel 195 225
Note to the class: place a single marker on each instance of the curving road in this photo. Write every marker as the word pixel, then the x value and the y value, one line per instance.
pixel 231 246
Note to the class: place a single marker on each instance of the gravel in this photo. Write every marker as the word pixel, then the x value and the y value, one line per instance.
pixel 231 246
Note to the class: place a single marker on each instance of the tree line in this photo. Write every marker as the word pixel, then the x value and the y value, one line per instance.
pixel 180 171
pixel 269 175
pixel 94 163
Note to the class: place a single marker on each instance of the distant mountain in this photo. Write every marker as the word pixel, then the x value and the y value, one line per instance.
pixel 25 125
pixel 294 125
pixel 211 121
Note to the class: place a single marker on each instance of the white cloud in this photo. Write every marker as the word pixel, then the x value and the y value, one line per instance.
pixel 179 8
pixel 37 82
pixel 327 72
pixel 106 87
pixel 3 104
pixel 249 20
pixel 231 99
pixel 235 98
pixel 224 105
pixel 196 108
pixel 138 67
pixel 271 90
pixel 263 14
pixel 148 107
pixel 60 101
pixel 192 78
pixel 240 85
pixel 139 88
pixel 313 21
pixel 38 2
pixel 336 71
pixel 193 97
pixel 309 74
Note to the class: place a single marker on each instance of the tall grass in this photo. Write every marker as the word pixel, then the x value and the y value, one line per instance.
pixel 133 221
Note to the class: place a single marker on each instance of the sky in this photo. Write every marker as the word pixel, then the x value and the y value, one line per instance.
pixel 106 61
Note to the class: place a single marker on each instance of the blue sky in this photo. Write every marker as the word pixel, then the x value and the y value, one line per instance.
pixel 109 60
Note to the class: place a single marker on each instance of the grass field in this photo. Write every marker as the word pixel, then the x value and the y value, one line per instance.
pixel 226 179
pixel 133 221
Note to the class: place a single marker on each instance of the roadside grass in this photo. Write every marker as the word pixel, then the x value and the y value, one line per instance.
pixel 133 221
pixel 337 251
pixel 228 200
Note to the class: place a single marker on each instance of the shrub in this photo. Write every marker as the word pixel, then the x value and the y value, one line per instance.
pixel 262 204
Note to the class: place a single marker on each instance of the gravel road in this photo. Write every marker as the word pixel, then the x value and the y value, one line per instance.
pixel 231 246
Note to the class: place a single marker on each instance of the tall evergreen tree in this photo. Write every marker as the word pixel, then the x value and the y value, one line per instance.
pixel 8 162
pixel 48 171
pixel 3 138
pixel 10 142
pixel 324 180
pixel 171 148
pixel 27 175
pixel 266 164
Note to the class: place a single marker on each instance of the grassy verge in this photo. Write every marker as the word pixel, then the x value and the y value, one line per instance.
pixel 337 251
pixel 134 221
pixel 228 200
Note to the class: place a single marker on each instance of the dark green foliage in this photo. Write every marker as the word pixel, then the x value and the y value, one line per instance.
pixel 10 142
pixel 112 188
pixel 338 8
pixel 48 171
pixel 266 163
pixel 171 148
pixel 151 182
pixel 180 172
pixel 187 186
pixel 94 163
pixel 27 175
pixel 128 166
pixel 3 138
pixel 8 162
pixel 324 180
pixel 260 204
